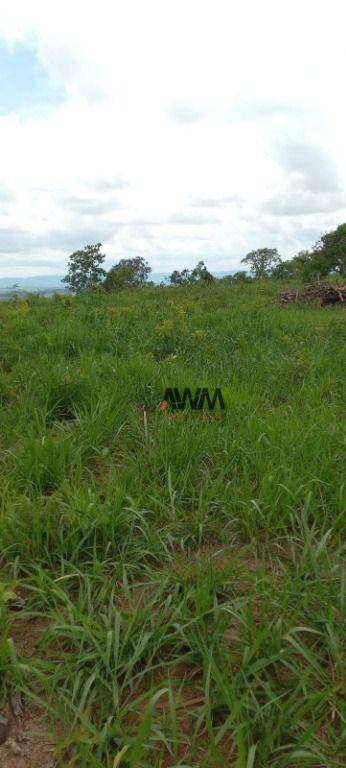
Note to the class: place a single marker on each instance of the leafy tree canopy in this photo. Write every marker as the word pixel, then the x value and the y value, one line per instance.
pixel 262 261
pixel 328 256
pixel 237 277
pixel 199 273
pixel 284 270
pixel 84 270
pixel 330 251
pixel 179 278
pixel 127 273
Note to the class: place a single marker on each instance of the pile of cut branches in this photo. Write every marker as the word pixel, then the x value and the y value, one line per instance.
pixel 325 293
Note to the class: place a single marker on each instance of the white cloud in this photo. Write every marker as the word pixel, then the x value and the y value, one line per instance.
pixel 172 109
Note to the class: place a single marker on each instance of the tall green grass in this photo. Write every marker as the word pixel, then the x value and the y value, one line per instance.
pixel 188 572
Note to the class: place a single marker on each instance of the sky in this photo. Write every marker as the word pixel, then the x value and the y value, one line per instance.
pixel 178 131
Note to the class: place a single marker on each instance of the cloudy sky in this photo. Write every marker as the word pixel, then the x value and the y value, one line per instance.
pixel 179 131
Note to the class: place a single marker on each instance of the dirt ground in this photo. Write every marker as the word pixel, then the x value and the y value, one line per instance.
pixel 29 742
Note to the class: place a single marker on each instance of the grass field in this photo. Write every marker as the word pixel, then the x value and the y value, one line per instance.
pixel 171 590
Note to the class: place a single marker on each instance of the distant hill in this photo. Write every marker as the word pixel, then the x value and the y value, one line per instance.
pixel 34 283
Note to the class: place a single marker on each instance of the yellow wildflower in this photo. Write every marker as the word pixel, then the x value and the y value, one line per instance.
pixel 165 328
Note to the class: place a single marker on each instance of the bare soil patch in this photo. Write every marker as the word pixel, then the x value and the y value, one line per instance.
pixel 29 741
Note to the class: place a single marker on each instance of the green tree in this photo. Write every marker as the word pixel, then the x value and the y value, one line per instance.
pixel 283 270
pixel 301 266
pixel 179 278
pixel 127 273
pixel 84 270
pixel 200 274
pixel 329 254
pixel 262 261
pixel 240 277
pixel 236 278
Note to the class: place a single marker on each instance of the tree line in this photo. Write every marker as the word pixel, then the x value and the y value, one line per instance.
pixel 328 256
